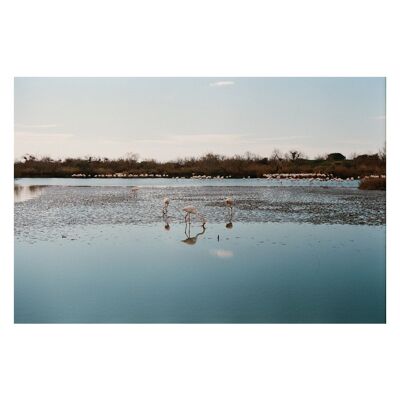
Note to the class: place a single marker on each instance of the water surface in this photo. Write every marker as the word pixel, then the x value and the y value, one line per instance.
pixel 25 192
pixel 254 273
pixel 183 182
pixel 290 254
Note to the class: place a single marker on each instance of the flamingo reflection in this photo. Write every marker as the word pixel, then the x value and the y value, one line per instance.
pixel 167 220
pixel 229 225
pixel 192 239
pixel 229 203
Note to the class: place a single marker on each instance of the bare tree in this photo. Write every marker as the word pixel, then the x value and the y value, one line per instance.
pixel 249 156
pixel 353 155
pixel 382 153
pixel 276 155
pixel 134 157
pixel 29 157
pixel 293 155
pixel 321 157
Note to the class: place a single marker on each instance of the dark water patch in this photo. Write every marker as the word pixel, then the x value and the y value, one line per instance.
pixel 25 193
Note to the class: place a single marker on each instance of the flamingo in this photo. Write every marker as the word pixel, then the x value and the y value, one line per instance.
pixel 193 210
pixel 189 210
pixel 229 203
pixel 166 204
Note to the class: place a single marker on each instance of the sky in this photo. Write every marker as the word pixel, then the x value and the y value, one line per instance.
pixel 168 118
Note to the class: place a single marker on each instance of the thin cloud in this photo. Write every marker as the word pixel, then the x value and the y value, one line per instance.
pixel 222 83
pixel 184 139
pixel 42 126
pixel 41 135
pixel 111 141
pixel 282 138
pixel 354 142
pixel 206 138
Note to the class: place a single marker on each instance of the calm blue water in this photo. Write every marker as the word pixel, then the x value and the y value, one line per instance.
pixel 255 273
pixel 175 182
pixel 288 255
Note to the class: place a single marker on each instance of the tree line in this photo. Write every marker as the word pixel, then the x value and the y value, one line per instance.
pixel 238 166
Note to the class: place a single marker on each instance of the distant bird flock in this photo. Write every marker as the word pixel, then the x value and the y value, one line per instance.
pixel 309 176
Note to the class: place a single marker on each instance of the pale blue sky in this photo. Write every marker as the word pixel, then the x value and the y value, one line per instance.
pixel 166 118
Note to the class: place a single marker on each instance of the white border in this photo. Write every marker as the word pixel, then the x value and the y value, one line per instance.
pixel 185 38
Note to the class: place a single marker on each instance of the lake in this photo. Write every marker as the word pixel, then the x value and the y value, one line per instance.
pixel 93 251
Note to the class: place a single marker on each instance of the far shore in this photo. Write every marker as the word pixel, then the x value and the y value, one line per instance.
pixel 293 165
pixel 309 177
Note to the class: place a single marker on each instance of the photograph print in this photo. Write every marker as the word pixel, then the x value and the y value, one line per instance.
pixel 200 200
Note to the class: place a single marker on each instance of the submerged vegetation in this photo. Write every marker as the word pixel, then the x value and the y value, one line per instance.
pixel 209 165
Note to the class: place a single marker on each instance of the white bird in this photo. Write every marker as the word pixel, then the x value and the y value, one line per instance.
pixel 229 204
pixel 189 210
pixel 166 204
pixel 193 210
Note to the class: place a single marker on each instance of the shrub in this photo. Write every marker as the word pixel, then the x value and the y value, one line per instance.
pixel 336 157
pixel 373 184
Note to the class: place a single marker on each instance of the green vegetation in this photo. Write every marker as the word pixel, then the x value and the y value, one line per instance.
pixel 211 165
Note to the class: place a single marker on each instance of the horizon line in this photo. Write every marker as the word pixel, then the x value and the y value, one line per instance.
pixel 245 154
